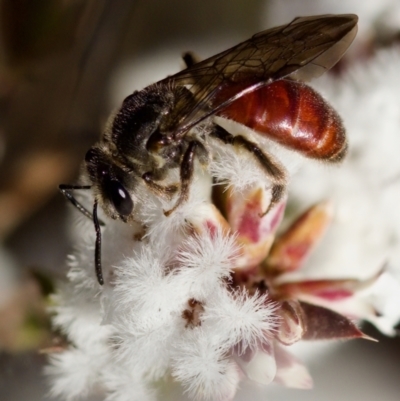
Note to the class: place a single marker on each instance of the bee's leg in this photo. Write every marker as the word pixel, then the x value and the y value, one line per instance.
pixel 278 192
pixel 272 167
pixel 167 191
pixel 190 59
pixel 186 173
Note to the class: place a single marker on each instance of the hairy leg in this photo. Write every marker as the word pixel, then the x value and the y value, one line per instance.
pixel 186 173
pixel 273 169
pixel 166 191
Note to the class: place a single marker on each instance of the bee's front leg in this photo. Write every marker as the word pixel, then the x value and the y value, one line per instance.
pixel 166 191
pixel 186 172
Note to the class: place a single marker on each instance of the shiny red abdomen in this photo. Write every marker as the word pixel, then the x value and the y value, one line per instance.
pixel 292 114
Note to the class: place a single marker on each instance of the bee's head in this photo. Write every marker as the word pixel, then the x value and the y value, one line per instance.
pixel 110 184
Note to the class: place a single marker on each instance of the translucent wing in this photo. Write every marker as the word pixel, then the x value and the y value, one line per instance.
pixel 303 49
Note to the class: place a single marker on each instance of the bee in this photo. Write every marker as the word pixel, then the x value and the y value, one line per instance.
pixel 257 83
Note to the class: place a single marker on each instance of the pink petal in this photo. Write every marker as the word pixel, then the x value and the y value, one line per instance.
pixel 290 371
pixel 255 231
pixel 292 248
pixel 258 365
pixel 291 328
pixel 211 221
pixel 327 290
pixel 323 324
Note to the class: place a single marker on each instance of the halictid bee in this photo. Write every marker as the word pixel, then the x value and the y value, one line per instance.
pixel 255 83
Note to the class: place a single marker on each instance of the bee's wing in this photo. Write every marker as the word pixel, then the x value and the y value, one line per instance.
pixel 303 49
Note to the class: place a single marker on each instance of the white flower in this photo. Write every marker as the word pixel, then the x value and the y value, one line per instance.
pixel 170 306
pixel 166 306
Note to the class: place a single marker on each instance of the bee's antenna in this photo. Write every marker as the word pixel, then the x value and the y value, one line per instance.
pixel 97 251
pixel 97 223
pixel 64 189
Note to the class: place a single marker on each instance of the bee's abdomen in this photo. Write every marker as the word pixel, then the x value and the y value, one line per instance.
pixel 294 115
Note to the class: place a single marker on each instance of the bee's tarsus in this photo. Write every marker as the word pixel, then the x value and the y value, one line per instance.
pixel 278 192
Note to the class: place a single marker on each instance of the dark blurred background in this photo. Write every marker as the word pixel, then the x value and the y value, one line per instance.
pixel 64 65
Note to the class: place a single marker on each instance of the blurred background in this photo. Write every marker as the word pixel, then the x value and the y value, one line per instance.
pixel 64 66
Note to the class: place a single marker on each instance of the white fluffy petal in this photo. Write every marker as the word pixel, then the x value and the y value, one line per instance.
pixel 75 372
pixel 204 368
pixel 204 260
pixel 125 385
pixel 239 319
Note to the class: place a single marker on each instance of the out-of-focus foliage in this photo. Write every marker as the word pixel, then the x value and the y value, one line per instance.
pixel 32 29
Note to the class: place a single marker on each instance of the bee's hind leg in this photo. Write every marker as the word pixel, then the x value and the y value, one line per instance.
pixel 274 170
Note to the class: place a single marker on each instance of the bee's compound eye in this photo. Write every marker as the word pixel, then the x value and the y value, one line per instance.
pixel 119 197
